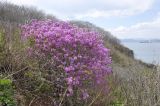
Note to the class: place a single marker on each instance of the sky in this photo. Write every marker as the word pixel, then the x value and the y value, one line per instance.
pixel 125 19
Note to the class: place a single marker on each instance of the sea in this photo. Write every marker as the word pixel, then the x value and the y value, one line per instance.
pixel 148 52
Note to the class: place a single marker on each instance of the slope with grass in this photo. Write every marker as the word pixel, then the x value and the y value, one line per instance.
pixel 133 83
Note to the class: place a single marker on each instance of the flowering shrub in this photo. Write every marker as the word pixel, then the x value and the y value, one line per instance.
pixel 80 53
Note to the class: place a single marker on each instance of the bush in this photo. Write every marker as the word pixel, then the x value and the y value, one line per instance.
pixel 77 56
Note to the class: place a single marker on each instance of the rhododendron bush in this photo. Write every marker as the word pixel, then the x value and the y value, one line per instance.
pixel 77 52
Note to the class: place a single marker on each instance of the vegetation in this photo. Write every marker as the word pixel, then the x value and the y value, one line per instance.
pixel 29 76
pixel 6 92
pixel 77 56
pixel 19 14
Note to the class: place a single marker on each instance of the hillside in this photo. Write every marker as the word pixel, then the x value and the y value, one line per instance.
pixel 15 15
pixel 122 57
pixel 20 14
pixel 128 85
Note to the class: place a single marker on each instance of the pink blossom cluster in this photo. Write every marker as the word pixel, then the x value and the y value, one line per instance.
pixel 79 52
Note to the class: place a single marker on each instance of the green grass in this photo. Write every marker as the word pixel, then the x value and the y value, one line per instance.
pixel 6 92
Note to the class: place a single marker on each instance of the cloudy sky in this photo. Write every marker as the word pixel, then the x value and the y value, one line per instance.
pixel 123 18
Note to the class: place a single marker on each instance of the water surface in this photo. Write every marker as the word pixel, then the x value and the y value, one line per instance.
pixel 147 52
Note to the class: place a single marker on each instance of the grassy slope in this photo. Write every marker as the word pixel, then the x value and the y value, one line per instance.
pixel 131 77
pixel 135 81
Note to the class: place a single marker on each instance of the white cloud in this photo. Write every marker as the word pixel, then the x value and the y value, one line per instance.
pixel 23 2
pixel 107 13
pixel 90 8
pixel 140 30
pixel 121 8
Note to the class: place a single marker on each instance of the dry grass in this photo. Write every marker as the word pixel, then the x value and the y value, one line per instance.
pixel 139 87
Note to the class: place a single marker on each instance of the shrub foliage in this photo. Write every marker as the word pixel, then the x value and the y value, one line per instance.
pixel 77 56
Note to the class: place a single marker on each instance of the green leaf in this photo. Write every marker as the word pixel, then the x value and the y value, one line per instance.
pixel 5 81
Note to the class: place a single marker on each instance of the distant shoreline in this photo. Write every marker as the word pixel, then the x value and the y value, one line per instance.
pixel 141 40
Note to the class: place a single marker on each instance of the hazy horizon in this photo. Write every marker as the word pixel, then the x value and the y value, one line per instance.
pixel 139 38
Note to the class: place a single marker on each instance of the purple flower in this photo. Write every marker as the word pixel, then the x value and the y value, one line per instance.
pixel 68 69
pixel 80 52
pixel 69 80
pixel 85 95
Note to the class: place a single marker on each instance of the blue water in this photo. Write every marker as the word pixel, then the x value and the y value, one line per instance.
pixel 147 52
